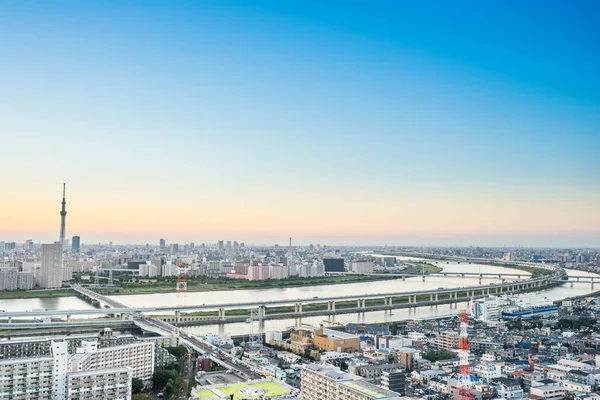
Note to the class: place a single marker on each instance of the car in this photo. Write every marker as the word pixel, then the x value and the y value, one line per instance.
pixel 160 395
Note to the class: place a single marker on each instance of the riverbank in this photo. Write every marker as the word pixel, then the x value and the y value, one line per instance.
pixel 423 267
pixel 33 294
pixel 535 272
pixel 210 285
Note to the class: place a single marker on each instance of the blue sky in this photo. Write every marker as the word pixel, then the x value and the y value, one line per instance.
pixel 341 122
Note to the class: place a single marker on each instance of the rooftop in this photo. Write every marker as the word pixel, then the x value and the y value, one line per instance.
pixel 366 388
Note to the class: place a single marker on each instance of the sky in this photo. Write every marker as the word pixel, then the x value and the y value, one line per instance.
pixel 339 122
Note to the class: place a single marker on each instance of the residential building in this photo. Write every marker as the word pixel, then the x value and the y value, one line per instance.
pixel 408 357
pixel 26 378
pixel 51 265
pixel 394 381
pixel 362 267
pixel 447 340
pixel 323 382
pixel 138 356
pixel 548 392
pixel 112 383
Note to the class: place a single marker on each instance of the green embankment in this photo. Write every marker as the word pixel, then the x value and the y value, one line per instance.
pixel 30 294
pixel 421 267
pixel 205 285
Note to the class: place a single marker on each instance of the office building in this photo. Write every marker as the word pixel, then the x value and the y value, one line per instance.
pixel 486 309
pixel 75 244
pixel 162 244
pixel 334 264
pixel 323 382
pixel 326 339
pixel 51 266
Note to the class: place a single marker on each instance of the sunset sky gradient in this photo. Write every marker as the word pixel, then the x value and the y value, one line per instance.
pixel 399 123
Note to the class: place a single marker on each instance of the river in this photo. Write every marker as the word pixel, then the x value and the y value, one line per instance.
pixel 397 285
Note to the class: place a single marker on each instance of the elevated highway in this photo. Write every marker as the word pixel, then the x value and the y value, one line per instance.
pixel 113 307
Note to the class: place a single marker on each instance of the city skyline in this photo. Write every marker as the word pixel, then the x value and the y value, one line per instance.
pixel 198 122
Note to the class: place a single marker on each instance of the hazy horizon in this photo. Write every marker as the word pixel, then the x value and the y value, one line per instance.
pixel 366 123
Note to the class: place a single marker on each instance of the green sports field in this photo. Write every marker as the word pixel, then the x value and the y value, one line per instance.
pixel 267 389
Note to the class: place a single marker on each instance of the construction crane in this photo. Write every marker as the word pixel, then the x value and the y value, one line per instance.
pixel 464 390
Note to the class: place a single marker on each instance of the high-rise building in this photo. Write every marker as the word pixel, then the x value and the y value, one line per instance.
pixel 75 244
pixel 51 265
pixel 220 245
pixel 334 264
pixel 63 217
pixel 162 244
pixel 28 245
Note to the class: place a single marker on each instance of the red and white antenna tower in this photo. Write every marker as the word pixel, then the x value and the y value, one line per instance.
pixel 464 391
pixel 181 277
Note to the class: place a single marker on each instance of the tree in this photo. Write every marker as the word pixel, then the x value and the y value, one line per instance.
pixel 344 365
pixel 136 385
pixel 178 351
pixel 393 328
pixel 141 396
pixel 162 376
pixel 168 390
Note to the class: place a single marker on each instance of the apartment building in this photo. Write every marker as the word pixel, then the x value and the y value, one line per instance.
pixel 100 384
pixel 408 357
pixel 323 382
pixel 26 378
pixel 138 356
pixel 447 340
pixel 548 392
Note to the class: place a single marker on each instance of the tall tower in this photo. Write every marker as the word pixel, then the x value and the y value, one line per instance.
pixel 63 214
pixel 464 388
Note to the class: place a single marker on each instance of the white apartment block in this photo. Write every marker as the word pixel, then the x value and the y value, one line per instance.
pixel 26 378
pixel 362 267
pixel 279 271
pixel 92 373
pixel 323 382
pixel 138 356
pixel 100 384
pixel 548 392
